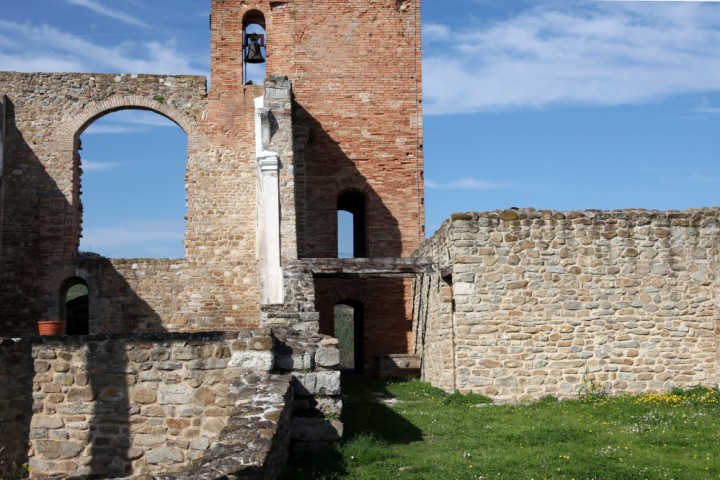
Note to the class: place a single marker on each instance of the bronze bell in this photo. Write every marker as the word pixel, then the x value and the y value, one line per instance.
pixel 254 54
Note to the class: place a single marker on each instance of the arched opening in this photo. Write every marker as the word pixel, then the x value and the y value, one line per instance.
pixel 75 298
pixel 348 329
pixel 132 203
pixel 254 48
pixel 352 231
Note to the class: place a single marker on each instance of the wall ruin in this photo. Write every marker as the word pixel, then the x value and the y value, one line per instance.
pixel 215 284
pixel 524 301
pixel 207 403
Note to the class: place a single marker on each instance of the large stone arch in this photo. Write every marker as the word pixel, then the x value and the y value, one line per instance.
pixel 74 127
pixel 69 132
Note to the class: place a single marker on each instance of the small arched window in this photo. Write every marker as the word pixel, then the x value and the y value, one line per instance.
pixel 254 51
pixel 348 329
pixel 352 231
pixel 75 298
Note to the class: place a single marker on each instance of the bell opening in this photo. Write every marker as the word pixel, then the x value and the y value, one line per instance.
pixel 254 53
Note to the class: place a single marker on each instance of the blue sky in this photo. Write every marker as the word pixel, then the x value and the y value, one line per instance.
pixel 570 104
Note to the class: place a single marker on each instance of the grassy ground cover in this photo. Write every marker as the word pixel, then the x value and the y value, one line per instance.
pixel 413 431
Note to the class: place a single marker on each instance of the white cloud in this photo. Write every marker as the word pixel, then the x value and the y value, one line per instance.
pixel 112 129
pixel 129 121
pixel 33 63
pixel 92 166
pixel 98 7
pixel 150 238
pixel 691 179
pixel 603 54
pixel 62 51
pixel 464 184
pixel 435 31
pixel 708 110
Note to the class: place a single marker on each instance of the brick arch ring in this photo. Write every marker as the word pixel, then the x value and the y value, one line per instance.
pixel 349 184
pixel 350 293
pixel 71 129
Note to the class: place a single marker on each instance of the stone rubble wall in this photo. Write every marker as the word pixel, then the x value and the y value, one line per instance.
pixel 216 284
pixel 540 296
pixel 184 405
pixel 432 314
pixel 3 100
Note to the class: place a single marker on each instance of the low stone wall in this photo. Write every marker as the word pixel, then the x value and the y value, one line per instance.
pixel 202 405
pixel 523 302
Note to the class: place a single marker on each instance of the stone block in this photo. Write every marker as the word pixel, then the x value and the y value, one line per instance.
pixel 165 456
pixel 322 383
pixel 47 422
pixel 327 357
pixel 315 430
pixel 252 360
pixel 58 450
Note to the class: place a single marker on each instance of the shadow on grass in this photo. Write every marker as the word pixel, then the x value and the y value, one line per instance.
pixel 369 423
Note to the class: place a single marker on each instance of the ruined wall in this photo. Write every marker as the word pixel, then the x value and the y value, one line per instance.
pixel 358 98
pixel 358 126
pixel 433 306
pixel 2 170
pixel 540 296
pixel 115 405
pixel 214 286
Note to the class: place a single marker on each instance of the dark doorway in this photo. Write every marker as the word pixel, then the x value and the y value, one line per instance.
pixel 76 306
pixel 348 329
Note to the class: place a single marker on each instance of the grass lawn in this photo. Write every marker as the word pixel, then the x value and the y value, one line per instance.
pixel 411 430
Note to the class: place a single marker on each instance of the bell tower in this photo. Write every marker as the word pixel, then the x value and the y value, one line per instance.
pixel 356 76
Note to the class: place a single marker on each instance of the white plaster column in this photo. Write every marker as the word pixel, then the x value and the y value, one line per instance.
pixel 271 279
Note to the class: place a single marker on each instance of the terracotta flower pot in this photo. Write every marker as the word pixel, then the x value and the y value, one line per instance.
pixel 51 327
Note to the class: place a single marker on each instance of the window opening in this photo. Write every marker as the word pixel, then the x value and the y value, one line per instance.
pixel 352 233
pixel 76 307
pixel 132 197
pixel 348 329
pixel 254 51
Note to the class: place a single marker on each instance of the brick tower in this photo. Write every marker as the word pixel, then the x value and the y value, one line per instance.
pixel 355 69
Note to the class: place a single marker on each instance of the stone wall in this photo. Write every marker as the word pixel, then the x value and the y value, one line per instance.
pixel 216 283
pixel 2 170
pixel 201 405
pixel 522 302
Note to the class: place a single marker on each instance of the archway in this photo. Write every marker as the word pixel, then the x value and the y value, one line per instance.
pixel 254 48
pixel 348 329
pixel 75 299
pixel 132 203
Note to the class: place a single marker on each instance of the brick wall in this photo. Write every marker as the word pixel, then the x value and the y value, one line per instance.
pixel 537 297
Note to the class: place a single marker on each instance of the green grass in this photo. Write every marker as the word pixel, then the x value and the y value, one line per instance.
pixel 411 430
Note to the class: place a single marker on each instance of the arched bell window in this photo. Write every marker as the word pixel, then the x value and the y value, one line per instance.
pixel 254 52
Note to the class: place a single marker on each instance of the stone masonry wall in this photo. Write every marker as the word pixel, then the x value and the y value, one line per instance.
pixel 201 405
pixel 216 283
pixel 2 170
pixel 539 296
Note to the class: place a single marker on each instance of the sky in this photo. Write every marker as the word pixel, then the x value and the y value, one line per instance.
pixel 566 105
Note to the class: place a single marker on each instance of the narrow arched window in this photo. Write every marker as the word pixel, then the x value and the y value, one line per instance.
pixel 348 329
pixel 352 231
pixel 75 298
pixel 254 51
